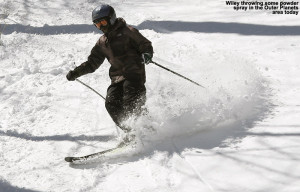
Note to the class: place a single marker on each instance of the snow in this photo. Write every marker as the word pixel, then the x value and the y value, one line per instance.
pixel 239 133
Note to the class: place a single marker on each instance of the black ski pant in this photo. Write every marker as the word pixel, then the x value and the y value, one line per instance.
pixel 124 99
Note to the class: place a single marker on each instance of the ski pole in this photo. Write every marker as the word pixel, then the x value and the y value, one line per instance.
pixel 177 74
pixel 89 86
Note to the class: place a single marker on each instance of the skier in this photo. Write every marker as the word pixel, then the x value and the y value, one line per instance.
pixel 127 51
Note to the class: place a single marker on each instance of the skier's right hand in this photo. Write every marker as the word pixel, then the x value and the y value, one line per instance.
pixel 72 75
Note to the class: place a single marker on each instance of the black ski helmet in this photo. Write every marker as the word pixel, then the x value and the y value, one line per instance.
pixel 104 12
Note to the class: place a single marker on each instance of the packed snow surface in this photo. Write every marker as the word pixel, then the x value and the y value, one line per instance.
pixel 238 133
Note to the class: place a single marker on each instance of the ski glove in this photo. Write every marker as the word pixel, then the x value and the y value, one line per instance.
pixel 72 75
pixel 146 58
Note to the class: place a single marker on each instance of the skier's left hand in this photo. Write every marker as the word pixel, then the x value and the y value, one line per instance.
pixel 146 58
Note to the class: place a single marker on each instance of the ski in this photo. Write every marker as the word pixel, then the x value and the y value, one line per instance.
pixel 95 156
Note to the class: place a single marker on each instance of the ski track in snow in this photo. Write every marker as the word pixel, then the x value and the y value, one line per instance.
pixel 239 133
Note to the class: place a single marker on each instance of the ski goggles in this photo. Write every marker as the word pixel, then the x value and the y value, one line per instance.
pixel 101 22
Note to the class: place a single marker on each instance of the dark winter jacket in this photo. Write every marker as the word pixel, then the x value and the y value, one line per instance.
pixel 122 47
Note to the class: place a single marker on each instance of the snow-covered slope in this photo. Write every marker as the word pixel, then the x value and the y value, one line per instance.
pixel 239 133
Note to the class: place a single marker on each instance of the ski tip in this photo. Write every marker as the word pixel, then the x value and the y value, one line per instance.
pixel 69 159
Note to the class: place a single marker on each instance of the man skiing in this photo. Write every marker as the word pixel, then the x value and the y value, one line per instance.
pixel 127 51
